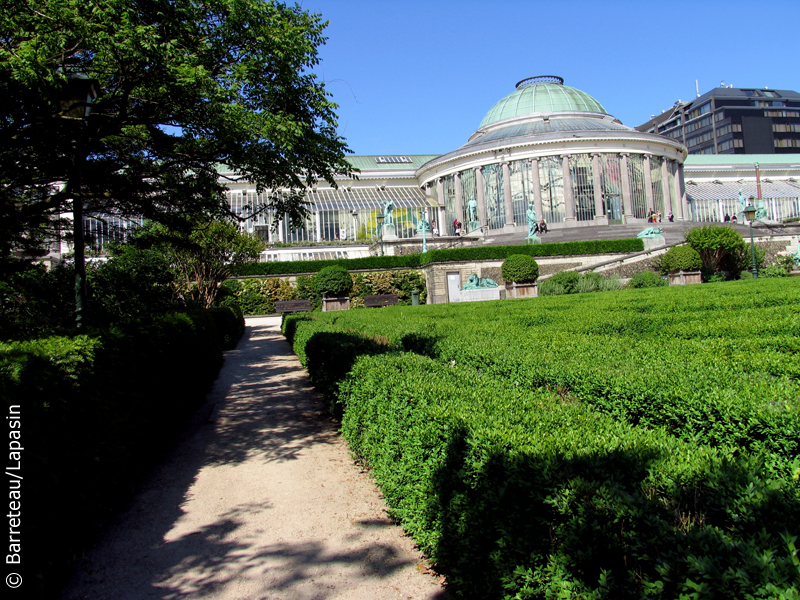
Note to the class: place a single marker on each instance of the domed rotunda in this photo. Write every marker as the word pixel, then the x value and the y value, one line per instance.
pixel 556 149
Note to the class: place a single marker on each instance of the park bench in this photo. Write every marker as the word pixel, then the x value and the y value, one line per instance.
pixel 290 306
pixel 380 300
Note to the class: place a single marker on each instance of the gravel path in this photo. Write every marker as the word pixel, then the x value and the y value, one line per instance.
pixel 260 500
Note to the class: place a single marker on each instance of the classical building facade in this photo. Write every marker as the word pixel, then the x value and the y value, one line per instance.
pixel 555 148
pixel 545 146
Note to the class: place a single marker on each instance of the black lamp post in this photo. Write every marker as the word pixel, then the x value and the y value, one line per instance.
pixel 76 104
pixel 750 213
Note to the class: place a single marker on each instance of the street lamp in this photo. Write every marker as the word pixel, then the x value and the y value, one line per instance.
pixel 381 218
pixel 424 221
pixel 750 213
pixel 76 104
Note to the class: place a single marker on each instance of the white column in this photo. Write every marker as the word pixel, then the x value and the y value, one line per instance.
pixel 509 204
pixel 627 205
pixel 598 191
pixel 680 194
pixel 665 187
pixel 318 226
pixel 459 203
pixel 569 199
pixel 480 193
pixel 537 188
pixel 648 183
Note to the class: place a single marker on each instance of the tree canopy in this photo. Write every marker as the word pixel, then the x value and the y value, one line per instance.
pixel 203 258
pixel 184 86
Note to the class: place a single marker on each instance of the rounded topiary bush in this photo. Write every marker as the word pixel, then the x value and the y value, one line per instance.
pixel 681 258
pixel 647 279
pixel 333 282
pixel 520 268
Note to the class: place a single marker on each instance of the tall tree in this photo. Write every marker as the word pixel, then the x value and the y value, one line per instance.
pixel 203 258
pixel 185 86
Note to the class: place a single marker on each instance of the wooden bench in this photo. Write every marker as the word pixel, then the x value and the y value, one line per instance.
pixel 290 306
pixel 380 300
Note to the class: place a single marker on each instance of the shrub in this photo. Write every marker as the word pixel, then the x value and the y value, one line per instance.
pixel 589 282
pixel 744 260
pixel 566 279
pixel 305 291
pixel 586 285
pixel 229 321
pixel 517 492
pixel 647 279
pixel 773 271
pixel 333 282
pixel 719 247
pixel 548 287
pixel 520 268
pixel 610 284
pixel 681 258
pixel 98 412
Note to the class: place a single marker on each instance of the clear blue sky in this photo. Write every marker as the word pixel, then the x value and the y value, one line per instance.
pixel 417 77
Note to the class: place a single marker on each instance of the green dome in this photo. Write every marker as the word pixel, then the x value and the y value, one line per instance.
pixel 542 94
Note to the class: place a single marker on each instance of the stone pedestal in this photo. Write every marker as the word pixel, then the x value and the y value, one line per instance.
pixel 389 233
pixel 654 241
pixel 329 304
pixel 480 294
pixel 685 277
pixel 522 290
pixel 534 239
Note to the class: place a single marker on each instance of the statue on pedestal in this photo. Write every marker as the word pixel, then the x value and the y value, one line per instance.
pixel 742 206
pixel 533 226
pixel 388 209
pixel 650 232
pixel 761 212
pixel 472 209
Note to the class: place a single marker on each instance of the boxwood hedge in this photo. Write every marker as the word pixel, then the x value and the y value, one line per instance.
pixel 636 444
pixel 444 255
pixel 96 411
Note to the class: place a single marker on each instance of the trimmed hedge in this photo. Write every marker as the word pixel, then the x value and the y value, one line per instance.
pixel 445 255
pixel 521 492
pixel 333 282
pixel 681 258
pixel 257 296
pixel 520 268
pixel 96 411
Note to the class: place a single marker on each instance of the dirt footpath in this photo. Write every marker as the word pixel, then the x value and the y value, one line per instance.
pixel 259 501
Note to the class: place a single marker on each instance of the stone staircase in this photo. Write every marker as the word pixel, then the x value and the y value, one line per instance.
pixel 673 233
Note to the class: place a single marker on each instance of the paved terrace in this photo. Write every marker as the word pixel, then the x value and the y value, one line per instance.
pixel 259 500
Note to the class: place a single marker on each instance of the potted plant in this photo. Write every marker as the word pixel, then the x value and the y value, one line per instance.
pixel 520 273
pixel 334 284
pixel 683 264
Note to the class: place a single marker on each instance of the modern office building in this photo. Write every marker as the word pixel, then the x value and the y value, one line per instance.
pixel 730 120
